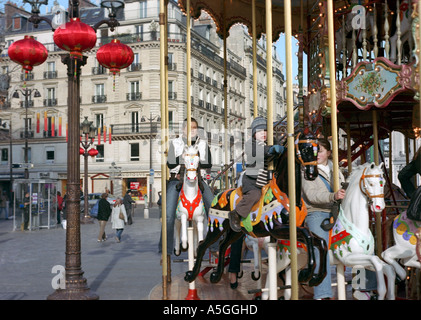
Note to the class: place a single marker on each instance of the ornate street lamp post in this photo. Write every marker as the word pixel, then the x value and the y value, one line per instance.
pixel 87 133
pixel 75 284
pixel 26 93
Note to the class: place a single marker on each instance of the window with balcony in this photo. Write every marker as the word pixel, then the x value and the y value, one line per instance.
pixel 98 69
pixel 50 99
pixel 172 95
pixel 136 65
pixel 51 72
pixel 99 96
pixel 135 121
pixel 134 93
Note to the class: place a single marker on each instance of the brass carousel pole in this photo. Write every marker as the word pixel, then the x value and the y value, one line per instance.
pixel 291 151
pixel 348 146
pixel 164 93
pixel 226 159
pixel 272 245
pixel 332 76
pixel 254 39
pixel 188 59
pixel 379 247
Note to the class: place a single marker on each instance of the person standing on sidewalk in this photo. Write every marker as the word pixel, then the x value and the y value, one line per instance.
pixel 127 201
pixel 104 212
pixel 59 206
pixel 26 204
pixel 116 222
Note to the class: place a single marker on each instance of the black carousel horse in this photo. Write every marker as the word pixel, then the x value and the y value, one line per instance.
pixel 269 218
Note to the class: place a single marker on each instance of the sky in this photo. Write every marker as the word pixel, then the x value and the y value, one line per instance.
pixel 280 44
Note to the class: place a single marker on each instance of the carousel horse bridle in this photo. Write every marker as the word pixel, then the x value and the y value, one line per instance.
pixel 315 146
pixel 363 186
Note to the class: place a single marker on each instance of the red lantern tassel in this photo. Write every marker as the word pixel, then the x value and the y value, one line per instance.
pixel 109 136
pixel 105 134
pixel 45 121
pixel 99 135
pixel 53 129
pixel 59 126
pixel 38 122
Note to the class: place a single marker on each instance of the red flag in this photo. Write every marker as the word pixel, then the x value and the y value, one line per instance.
pixel 38 122
pixel 53 129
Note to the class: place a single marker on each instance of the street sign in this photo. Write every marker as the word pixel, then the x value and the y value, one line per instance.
pixel 152 171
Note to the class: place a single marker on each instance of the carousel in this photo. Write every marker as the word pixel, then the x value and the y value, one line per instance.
pixel 362 80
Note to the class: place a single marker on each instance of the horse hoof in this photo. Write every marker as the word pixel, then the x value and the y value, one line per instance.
pixel 255 278
pixel 186 248
pixel 175 252
pixel 240 274
pixel 189 276
pixel 304 276
pixel 214 277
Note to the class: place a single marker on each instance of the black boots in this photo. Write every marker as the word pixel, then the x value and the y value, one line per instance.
pixel 235 221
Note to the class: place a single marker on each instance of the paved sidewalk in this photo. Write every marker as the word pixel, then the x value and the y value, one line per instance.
pixel 128 270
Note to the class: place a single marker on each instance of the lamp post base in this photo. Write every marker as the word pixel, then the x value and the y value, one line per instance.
pixel 73 294
pixel 87 220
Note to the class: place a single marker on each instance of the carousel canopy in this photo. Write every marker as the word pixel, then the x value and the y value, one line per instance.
pixel 305 13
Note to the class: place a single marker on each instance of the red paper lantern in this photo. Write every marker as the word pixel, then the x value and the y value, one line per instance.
pixel 115 56
pixel 75 37
pixel 93 152
pixel 81 151
pixel 28 52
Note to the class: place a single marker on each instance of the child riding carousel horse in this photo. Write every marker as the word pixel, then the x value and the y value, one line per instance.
pixel 256 175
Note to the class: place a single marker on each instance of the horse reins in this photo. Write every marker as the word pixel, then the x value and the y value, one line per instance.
pixel 313 143
pixel 363 185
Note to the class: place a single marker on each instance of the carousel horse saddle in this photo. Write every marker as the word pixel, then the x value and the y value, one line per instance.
pixel 229 199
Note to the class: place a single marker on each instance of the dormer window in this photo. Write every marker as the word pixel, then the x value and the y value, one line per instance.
pixel 17 23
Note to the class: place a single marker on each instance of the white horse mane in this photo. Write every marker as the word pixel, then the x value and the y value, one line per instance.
pixel 357 172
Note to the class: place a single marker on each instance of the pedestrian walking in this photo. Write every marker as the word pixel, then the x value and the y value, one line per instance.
pixel 118 218
pixel 59 206
pixel 4 205
pixel 104 212
pixel 127 201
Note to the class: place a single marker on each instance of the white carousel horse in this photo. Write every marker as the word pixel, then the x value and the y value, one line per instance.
pixel 351 241
pixel 190 204
pixel 406 236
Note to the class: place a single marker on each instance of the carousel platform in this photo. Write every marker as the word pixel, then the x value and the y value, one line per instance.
pixel 247 288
